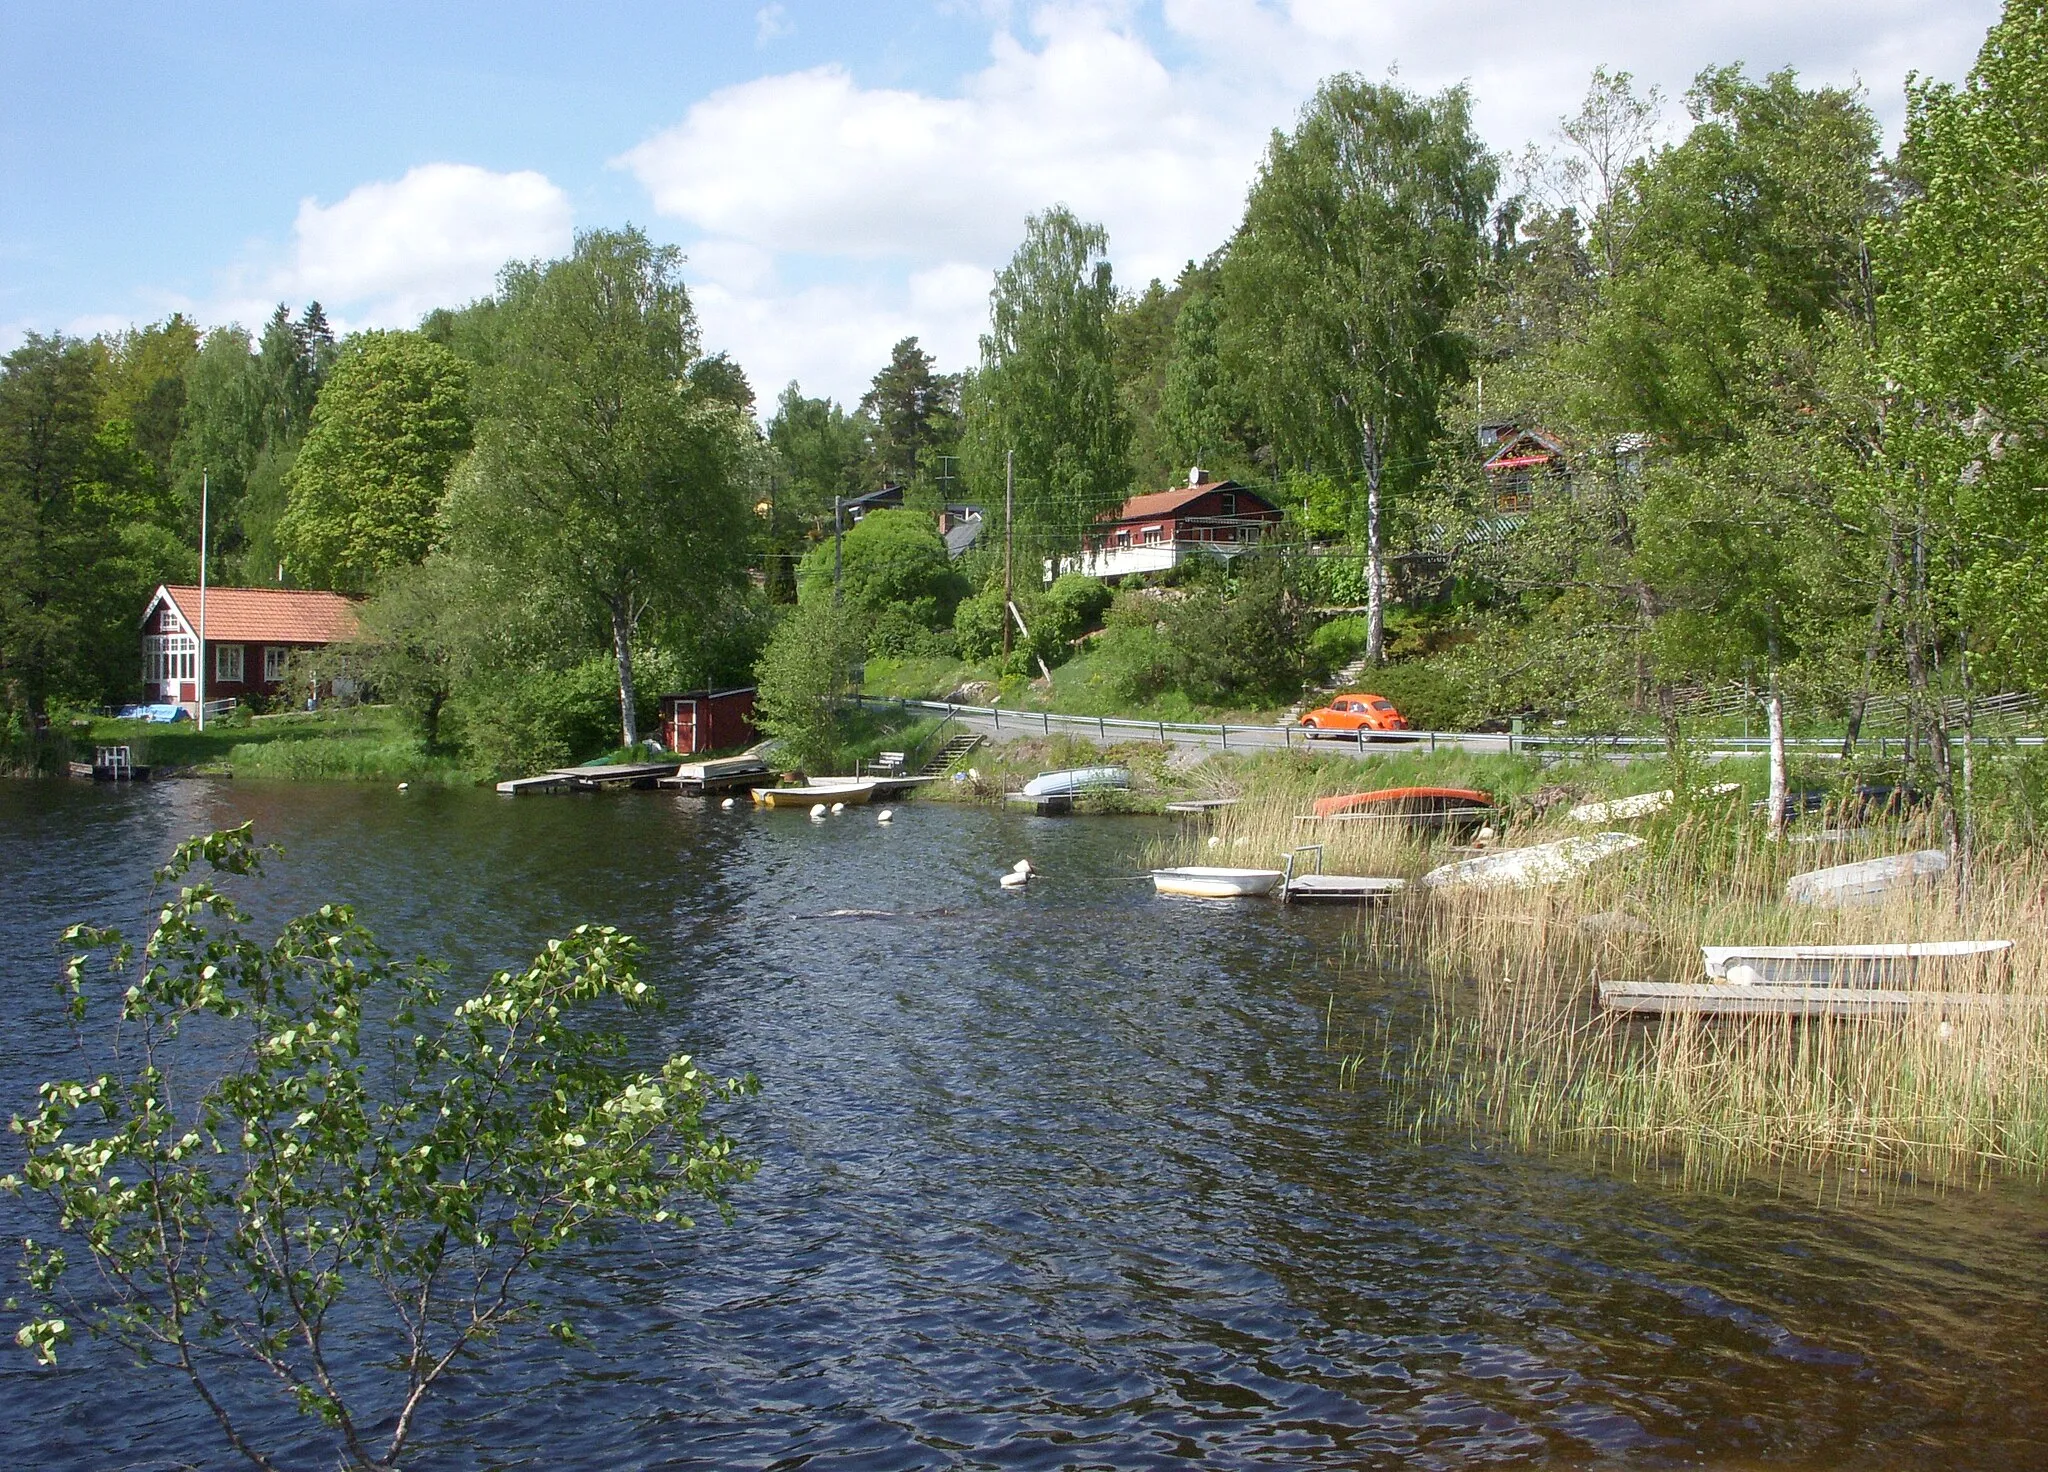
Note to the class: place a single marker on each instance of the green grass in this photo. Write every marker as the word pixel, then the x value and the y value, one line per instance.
pixel 1079 687
pixel 363 744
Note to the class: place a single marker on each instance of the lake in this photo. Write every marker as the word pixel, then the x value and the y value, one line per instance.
pixel 1054 1179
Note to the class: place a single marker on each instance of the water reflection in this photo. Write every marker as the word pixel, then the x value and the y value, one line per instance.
pixel 1061 1179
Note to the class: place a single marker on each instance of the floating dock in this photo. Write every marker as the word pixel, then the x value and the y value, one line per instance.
pixel 1720 999
pixel 593 778
pixel 1354 889
pixel 725 774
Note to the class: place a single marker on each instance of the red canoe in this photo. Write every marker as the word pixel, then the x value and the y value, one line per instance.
pixel 1424 806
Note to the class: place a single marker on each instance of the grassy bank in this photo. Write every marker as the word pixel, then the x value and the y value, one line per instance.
pixel 363 743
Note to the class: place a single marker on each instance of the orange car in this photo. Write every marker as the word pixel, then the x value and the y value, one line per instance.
pixel 1356 713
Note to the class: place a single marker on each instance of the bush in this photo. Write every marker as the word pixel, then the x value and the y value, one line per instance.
pixel 891 561
pixel 1337 643
pixel 978 626
pixel 537 719
pixel 1246 647
pixel 801 676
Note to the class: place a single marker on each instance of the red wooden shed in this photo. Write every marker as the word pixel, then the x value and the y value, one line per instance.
pixel 708 720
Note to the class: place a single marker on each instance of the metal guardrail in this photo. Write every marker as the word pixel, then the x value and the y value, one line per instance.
pixel 1291 737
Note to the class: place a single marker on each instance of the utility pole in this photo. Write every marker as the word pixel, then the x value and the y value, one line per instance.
pixel 838 542
pixel 1009 538
pixel 202 598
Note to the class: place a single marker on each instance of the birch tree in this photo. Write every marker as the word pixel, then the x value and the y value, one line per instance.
pixel 1362 234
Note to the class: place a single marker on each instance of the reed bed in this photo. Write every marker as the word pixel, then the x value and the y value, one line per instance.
pixel 1511 1048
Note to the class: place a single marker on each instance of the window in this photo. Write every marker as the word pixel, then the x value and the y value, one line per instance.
pixel 274 656
pixel 1229 504
pixel 167 658
pixel 227 663
pixel 1151 535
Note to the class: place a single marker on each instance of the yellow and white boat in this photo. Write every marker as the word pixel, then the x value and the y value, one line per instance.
pixel 852 791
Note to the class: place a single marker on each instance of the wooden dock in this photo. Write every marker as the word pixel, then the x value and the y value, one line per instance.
pixel 1196 806
pixel 727 774
pixel 595 777
pixel 1721 999
pixel 1353 889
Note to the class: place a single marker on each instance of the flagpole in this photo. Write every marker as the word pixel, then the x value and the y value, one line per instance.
pixel 202 599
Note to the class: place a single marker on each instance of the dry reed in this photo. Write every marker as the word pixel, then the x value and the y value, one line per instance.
pixel 1513 1048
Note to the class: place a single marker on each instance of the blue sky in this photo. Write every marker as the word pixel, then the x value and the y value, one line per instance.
pixel 840 175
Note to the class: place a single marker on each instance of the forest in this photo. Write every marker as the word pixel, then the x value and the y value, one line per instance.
pixel 1784 396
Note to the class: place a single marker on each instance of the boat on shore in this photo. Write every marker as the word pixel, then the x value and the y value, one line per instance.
pixel 1643 804
pixel 1890 964
pixel 1868 882
pixel 1437 808
pixel 851 791
pixel 1528 868
pixel 1206 882
pixel 1075 780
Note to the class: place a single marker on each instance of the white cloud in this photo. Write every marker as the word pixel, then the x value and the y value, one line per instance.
pixel 385 253
pixel 905 201
pixel 772 23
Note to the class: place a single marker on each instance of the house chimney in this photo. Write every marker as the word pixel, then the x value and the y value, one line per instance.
pixel 1194 477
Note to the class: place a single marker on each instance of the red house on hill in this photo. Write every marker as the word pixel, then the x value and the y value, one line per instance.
pixel 250 634
pixel 1217 518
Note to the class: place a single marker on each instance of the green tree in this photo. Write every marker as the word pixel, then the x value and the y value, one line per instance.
pixel 368 1177
pixel 604 479
pixel 801 676
pixel 914 416
pixel 419 637
pixel 52 535
pixel 1362 235
pixel 818 449
pixel 1965 314
pixel 1047 389
pixel 366 488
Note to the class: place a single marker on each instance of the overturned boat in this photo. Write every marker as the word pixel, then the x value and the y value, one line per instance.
pixel 1434 808
pixel 1528 868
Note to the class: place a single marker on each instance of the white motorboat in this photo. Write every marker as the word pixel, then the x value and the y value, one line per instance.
pixel 1643 804
pixel 1204 882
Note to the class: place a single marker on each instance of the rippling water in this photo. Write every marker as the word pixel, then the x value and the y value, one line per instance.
pixel 1061 1179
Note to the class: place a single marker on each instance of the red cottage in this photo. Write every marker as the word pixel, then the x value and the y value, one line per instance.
pixel 708 720
pixel 250 633
pixel 1217 518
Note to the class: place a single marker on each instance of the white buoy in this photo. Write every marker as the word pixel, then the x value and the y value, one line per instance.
pixel 838 807
pixel 404 786
pixel 1022 866
pixel 817 810
pixel 1215 841
pixel 1743 974
pixel 1016 879
pixel 885 815
pixel 726 805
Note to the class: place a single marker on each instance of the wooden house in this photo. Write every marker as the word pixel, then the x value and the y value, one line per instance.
pixel 708 720
pixel 1150 533
pixel 1520 462
pixel 250 634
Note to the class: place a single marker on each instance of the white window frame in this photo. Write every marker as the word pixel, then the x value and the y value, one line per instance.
pixel 274 658
pixel 170 659
pixel 225 669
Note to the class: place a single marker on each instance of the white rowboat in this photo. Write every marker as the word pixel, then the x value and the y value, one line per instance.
pixel 1642 805
pixel 1887 965
pixel 1206 883
pixel 1866 883
pixel 1527 868
pixel 1076 779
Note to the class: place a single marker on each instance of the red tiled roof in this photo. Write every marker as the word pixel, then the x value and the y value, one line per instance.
pixel 1165 503
pixel 269 615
